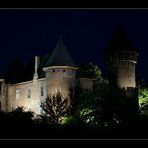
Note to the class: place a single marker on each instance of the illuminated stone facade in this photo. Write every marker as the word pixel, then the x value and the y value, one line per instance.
pixel 58 73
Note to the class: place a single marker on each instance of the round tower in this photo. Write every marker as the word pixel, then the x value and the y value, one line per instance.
pixel 60 72
pixel 121 59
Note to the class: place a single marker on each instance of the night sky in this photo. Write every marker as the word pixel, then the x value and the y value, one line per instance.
pixel 86 33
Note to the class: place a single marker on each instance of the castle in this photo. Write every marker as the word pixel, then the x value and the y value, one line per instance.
pixel 58 72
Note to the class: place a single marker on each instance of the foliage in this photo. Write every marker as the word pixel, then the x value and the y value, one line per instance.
pixel 89 106
pixel 105 106
pixel 55 107
pixel 68 120
pixel 143 100
pixel 92 71
pixel 21 117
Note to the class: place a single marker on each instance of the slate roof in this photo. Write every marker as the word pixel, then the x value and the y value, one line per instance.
pixel 120 41
pixel 60 56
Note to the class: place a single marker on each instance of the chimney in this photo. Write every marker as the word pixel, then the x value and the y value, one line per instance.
pixel 35 77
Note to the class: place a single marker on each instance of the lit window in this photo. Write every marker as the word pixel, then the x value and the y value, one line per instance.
pixel 29 93
pixel 17 94
pixel 42 91
pixel 41 111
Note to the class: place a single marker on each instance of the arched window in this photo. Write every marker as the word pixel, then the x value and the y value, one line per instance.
pixel 42 91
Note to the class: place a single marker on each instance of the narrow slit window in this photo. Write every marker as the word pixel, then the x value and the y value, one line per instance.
pixel 42 91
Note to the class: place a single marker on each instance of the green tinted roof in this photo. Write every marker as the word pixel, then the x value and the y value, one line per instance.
pixel 60 56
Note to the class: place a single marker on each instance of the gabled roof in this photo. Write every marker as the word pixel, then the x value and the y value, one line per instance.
pixel 60 56
pixel 120 41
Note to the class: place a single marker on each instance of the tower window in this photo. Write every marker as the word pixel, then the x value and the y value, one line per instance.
pixel 29 93
pixel 64 70
pixel 53 70
pixel 42 91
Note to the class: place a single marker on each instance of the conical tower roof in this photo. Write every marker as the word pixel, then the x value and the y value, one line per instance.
pixel 120 41
pixel 60 56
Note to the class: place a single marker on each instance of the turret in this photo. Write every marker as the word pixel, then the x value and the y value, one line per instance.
pixel 60 72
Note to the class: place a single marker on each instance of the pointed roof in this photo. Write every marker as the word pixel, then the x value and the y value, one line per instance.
pixel 60 56
pixel 120 41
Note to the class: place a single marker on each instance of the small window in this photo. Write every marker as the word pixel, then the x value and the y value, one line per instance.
pixel 29 93
pixel 53 70
pixel 17 94
pixel 42 91
pixel 41 111
pixel 64 70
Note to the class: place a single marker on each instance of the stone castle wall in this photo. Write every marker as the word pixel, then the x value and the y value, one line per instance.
pixel 86 84
pixel 125 75
pixel 26 94
pixel 62 80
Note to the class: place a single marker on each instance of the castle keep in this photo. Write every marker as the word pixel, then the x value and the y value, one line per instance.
pixel 121 60
pixel 58 72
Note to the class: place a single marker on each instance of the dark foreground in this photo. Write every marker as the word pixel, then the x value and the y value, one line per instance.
pixel 126 131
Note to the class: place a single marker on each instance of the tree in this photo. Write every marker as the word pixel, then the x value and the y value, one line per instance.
pixel 91 70
pixel 143 100
pixel 55 107
pixel 21 116
pixel 89 106
pixel 102 107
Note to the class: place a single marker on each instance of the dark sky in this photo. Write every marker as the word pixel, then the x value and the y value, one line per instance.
pixel 26 33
